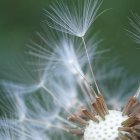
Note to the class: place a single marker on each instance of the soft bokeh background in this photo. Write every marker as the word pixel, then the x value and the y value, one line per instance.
pixel 20 19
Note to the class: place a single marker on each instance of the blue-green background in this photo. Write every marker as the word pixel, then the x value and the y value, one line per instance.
pixel 20 19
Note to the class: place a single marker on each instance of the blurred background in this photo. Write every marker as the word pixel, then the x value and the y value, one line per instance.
pixel 19 20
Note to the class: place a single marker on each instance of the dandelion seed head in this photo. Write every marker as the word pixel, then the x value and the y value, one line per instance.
pixel 105 130
pixel 60 82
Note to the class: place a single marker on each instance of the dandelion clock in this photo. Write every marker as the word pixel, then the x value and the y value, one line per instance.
pixel 66 89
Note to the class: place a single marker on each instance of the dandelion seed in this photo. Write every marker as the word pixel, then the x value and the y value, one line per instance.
pixel 75 19
pixel 135 23
pixel 68 52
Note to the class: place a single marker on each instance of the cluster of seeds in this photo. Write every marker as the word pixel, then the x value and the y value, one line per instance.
pixel 101 123
pixel 107 129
